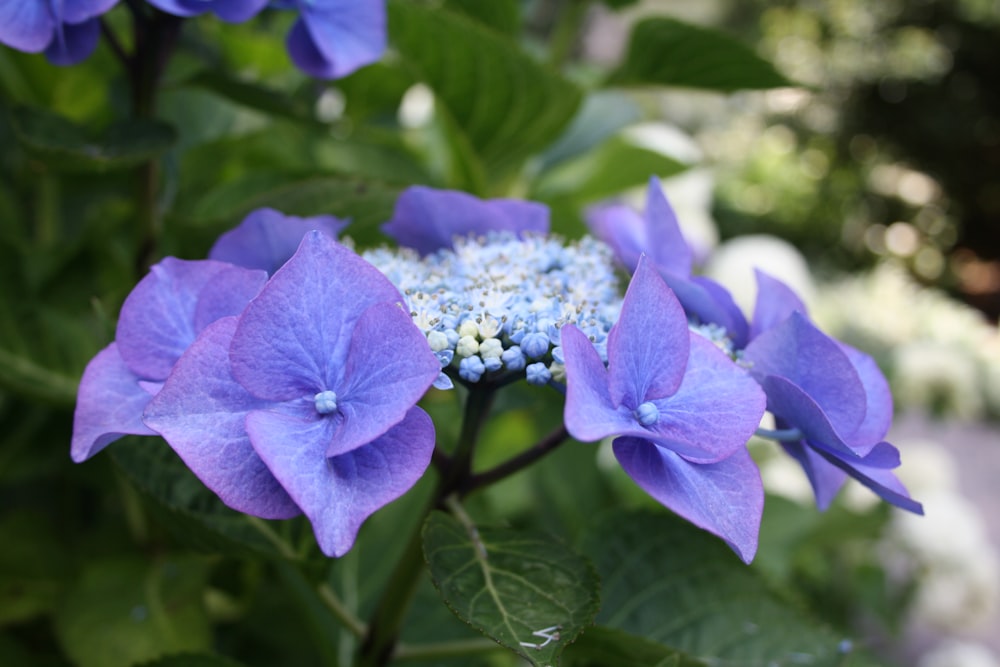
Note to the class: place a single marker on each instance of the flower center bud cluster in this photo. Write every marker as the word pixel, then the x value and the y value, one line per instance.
pixel 494 305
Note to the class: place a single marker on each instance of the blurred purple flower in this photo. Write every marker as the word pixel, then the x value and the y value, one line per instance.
pixel 159 320
pixel 66 31
pixel 657 234
pixel 313 389
pixel 333 38
pixel 831 403
pixel 231 11
pixel 427 220
pixel 683 408
pixel 266 238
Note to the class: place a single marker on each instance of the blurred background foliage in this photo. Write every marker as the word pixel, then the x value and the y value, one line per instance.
pixel 873 141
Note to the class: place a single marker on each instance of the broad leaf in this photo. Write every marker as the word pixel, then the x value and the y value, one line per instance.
pixel 66 146
pixel 254 96
pixel 24 376
pixel 527 592
pixel 192 660
pixel 606 647
pixel 501 15
pixel 664 51
pixel 667 581
pixel 505 104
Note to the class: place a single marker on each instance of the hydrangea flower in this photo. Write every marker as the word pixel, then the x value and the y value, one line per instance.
pixel 427 220
pixel 656 234
pixel 66 31
pixel 333 38
pixel 681 409
pixel 159 319
pixel 311 390
pixel 266 238
pixel 831 403
pixel 232 11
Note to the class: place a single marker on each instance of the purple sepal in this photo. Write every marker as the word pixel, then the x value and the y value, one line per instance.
pixel 109 404
pixel 339 493
pixel 427 220
pixel 26 25
pixel 775 302
pixel 266 238
pixel 164 313
pixel 725 498
pixel 201 412
pixel 77 11
pixel 73 43
pixel 232 11
pixel 333 38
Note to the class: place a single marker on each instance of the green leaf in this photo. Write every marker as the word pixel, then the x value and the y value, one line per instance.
pixel 32 570
pixel 192 660
pixel 512 586
pixel 187 508
pixel 501 15
pixel 66 146
pixel 606 647
pixel 254 96
pixel 125 611
pixel 505 104
pixel 24 376
pixel 667 581
pixel 664 51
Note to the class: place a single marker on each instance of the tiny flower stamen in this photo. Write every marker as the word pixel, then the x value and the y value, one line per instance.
pixel 647 414
pixel 326 402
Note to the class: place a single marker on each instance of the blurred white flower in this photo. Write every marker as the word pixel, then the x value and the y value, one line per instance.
pixel 958 653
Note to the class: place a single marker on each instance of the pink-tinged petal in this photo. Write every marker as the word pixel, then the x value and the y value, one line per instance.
pixel 335 37
pixel 666 245
pixel 775 302
pixel 266 238
pixel 338 494
pixel 109 404
pixel 26 25
pixel 73 43
pixel 159 320
pixel 389 368
pixel 622 228
pixel 714 411
pixel 878 409
pixel 876 477
pixel 725 498
pixel 293 338
pixel 826 479
pixel 648 346
pixel 201 412
pixel 589 413
pixel 803 356
pixel 427 220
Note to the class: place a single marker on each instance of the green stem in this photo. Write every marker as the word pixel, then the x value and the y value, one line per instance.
pixel 268 533
pixel 566 33
pixel 340 610
pixel 515 463
pixel 379 644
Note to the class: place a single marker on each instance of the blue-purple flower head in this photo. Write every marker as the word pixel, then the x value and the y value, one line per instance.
pixel 66 31
pixel 831 403
pixel 681 411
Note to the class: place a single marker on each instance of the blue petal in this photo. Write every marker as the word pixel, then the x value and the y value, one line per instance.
pixel 667 247
pixel 26 25
pixel 77 11
pixel 338 494
pixel 622 228
pixel 233 11
pixel 648 346
pixel 292 340
pixel 709 303
pixel 333 38
pixel 875 474
pixel 388 369
pixel 878 397
pixel 725 498
pixel 826 480
pixel 775 302
pixel 73 43
pixel 109 404
pixel 427 220
pixel 201 412
pixel 266 238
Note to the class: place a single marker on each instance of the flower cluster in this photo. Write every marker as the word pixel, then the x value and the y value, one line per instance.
pixel 330 39
pixel 286 368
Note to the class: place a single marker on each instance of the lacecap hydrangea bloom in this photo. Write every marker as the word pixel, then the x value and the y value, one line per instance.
pixel 66 31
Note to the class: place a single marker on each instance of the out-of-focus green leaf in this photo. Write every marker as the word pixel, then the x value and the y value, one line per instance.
pixel 375 91
pixel 665 51
pixel 254 96
pixel 528 592
pixel 667 581
pixel 190 511
pixel 32 570
pixel 66 146
pixel 501 15
pixel 22 375
pixel 192 660
pixel 125 611
pixel 606 647
pixel 506 105
pixel 614 166
pixel 602 114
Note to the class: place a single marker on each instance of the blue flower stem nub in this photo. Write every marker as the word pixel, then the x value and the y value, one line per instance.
pixel 326 402
pixel 647 414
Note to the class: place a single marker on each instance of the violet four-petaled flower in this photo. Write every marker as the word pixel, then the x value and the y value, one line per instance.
pixel 315 383
pixel 657 234
pixel 160 318
pixel 427 219
pixel 66 31
pixel 683 410
pixel 831 400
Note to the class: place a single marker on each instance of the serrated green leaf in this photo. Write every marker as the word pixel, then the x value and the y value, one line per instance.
pixel 527 592
pixel 606 647
pixel 66 146
pixel 667 581
pixel 506 105
pixel 185 506
pixel 668 52
pixel 125 611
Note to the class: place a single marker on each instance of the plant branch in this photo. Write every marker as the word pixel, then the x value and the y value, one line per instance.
pixel 516 463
